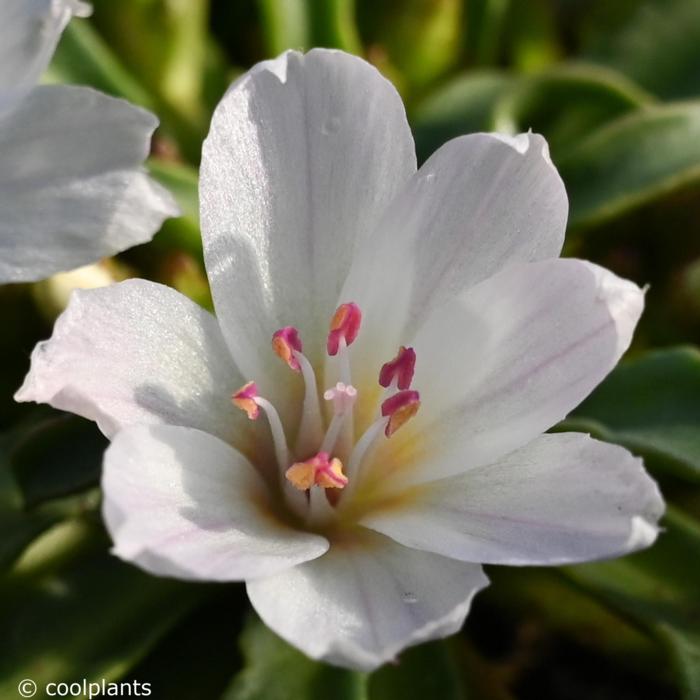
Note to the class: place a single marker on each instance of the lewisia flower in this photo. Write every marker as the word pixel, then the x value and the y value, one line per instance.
pixel 72 185
pixel 361 424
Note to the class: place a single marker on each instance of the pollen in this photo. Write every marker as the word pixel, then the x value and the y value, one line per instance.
pixel 285 342
pixel 319 470
pixel 400 408
pixel 345 325
pixel 244 399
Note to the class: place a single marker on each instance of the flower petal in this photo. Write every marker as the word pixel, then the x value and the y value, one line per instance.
pixel 72 186
pixel 509 358
pixel 363 602
pixel 303 155
pixel 479 203
pixel 179 502
pixel 137 352
pixel 29 32
pixel 563 498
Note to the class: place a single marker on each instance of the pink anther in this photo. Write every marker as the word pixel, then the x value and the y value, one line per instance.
pixel 400 408
pixel 345 324
pixel 400 368
pixel 319 470
pixel 244 399
pixel 284 342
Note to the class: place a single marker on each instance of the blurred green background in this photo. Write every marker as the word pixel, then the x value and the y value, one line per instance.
pixel 615 88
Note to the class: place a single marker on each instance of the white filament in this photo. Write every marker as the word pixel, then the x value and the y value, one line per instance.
pixel 311 426
pixel 364 445
pixel 320 510
pixel 343 397
pixel 347 436
pixel 278 438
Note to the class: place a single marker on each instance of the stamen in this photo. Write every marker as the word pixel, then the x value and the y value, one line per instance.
pixel 311 427
pixel 400 369
pixel 287 345
pixel 319 510
pixel 400 408
pixel 343 397
pixel 362 447
pixel 284 342
pixel 331 476
pixel 244 399
pixel 278 438
pixel 302 475
pixel 247 399
pixel 345 325
pixel 396 410
pixel 344 362
pixel 319 470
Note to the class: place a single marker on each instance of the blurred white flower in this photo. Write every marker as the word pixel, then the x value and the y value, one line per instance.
pixel 445 331
pixel 72 184
pixel 53 293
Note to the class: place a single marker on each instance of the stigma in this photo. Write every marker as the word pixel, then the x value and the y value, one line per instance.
pixel 329 436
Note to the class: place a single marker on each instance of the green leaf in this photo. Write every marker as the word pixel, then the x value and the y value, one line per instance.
pixel 273 670
pixel 426 671
pixel 18 528
pixel 631 161
pixel 182 181
pixel 182 233
pixel 652 406
pixel 421 39
pixel 82 57
pixel 333 24
pixel 485 20
pixel 162 41
pixel 72 611
pixel 21 519
pixel 24 326
pixel 199 656
pixel 658 46
pixel 285 25
pixel 544 597
pixel 658 589
pixel 58 455
pixel 566 103
pixel 533 40
pixel 461 106
pixel 276 671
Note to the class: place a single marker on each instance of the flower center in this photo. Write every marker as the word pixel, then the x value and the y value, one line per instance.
pixel 311 474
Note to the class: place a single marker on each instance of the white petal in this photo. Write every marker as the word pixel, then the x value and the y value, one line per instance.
pixel 29 32
pixel 363 602
pixel 303 155
pixel 179 502
pixel 509 358
pixel 137 352
pixel 479 203
pixel 72 185
pixel 563 498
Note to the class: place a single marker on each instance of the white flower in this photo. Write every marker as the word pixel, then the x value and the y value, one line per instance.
pixel 72 185
pixel 443 284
